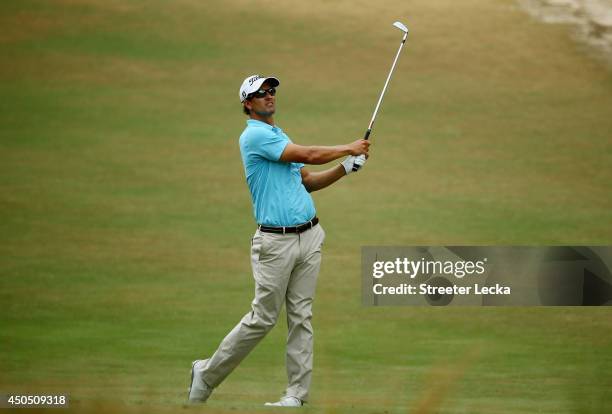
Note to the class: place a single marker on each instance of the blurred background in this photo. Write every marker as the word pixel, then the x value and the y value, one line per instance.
pixel 125 219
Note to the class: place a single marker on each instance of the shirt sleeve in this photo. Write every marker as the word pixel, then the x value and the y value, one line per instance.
pixel 268 145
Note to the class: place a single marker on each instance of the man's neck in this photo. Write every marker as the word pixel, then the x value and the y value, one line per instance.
pixel 267 119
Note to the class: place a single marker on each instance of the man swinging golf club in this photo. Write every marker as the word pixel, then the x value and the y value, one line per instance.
pixel 286 248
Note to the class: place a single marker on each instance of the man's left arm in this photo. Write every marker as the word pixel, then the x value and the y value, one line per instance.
pixel 314 181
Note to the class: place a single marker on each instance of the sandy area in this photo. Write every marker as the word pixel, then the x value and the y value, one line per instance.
pixel 592 19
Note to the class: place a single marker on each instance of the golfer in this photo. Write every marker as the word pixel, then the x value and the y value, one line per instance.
pixel 286 247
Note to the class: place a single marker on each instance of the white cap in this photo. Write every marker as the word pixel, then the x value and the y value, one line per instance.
pixel 253 83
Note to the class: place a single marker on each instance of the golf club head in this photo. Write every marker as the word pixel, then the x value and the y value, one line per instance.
pixel 401 26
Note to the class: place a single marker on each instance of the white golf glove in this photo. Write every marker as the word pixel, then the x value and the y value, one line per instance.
pixel 353 164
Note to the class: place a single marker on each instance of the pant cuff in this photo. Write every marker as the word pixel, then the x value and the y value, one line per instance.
pixel 297 392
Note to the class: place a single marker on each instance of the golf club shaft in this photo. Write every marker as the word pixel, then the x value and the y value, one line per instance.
pixel 367 134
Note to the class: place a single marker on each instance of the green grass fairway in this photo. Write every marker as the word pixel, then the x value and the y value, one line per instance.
pixel 125 220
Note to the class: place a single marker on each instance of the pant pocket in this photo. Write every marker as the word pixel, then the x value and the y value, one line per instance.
pixel 256 247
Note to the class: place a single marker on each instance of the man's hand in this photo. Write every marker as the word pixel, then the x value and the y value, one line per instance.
pixel 359 147
pixel 353 164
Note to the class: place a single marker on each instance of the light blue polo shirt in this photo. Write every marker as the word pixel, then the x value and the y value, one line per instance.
pixel 279 197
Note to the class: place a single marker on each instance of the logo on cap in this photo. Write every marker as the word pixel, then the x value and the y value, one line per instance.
pixel 253 79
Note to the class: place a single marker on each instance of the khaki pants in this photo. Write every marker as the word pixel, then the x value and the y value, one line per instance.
pixel 285 269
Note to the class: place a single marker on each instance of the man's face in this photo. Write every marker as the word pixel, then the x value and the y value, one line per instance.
pixel 265 106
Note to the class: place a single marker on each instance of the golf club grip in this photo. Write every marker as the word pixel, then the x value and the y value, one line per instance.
pixel 366 136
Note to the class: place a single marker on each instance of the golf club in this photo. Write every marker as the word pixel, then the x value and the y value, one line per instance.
pixel 404 29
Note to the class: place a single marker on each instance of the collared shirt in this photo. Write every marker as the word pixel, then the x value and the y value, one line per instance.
pixel 278 195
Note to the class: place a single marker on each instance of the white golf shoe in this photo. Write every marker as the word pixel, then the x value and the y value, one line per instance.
pixel 198 390
pixel 286 402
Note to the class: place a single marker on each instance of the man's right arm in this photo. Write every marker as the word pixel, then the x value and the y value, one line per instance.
pixel 322 155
